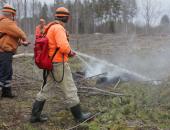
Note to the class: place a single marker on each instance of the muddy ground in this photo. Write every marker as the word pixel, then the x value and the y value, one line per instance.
pixel 143 106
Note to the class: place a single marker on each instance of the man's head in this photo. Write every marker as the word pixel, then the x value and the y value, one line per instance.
pixel 62 14
pixel 8 11
pixel 42 22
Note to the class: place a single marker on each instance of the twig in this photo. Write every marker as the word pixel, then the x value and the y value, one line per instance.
pixel 84 121
pixel 117 84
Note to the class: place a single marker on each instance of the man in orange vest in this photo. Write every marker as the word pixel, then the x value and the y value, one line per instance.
pixel 40 28
pixel 58 38
pixel 11 36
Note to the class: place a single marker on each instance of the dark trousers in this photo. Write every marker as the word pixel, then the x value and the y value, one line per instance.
pixel 5 69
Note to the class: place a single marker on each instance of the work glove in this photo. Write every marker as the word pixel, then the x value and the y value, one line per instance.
pixel 25 43
pixel 71 54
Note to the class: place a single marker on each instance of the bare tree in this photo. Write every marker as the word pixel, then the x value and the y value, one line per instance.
pixel 33 11
pixel 18 2
pixel 129 10
pixel 77 22
pixel 151 10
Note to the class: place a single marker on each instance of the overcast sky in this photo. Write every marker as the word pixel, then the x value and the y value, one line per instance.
pixel 47 1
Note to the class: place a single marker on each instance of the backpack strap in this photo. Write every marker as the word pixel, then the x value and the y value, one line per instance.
pixel 51 24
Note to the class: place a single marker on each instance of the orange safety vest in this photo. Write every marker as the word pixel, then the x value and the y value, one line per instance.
pixel 58 38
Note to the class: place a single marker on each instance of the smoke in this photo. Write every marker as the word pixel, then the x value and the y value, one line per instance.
pixel 98 66
pixel 150 59
pixel 94 69
pixel 139 58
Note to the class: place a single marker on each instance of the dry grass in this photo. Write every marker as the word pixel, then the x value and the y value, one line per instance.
pixel 147 108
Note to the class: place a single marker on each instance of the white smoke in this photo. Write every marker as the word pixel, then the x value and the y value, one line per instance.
pixel 98 66
pixel 136 57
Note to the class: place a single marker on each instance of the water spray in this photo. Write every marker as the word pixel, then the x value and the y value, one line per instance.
pixel 79 57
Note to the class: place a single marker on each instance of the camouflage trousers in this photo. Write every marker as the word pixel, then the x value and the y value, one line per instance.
pixel 66 91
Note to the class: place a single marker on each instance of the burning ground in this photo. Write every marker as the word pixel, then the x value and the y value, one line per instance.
pixel 120 104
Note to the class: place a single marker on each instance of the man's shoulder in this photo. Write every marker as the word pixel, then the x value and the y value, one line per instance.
pixel 5 23
pixel 58 27
pixel 55 25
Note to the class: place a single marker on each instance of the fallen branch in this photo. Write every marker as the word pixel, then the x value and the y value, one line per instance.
pixel 23 55
pixel 103 91
pixel 87 93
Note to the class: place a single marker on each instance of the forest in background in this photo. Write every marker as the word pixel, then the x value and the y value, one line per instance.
pixel 92 16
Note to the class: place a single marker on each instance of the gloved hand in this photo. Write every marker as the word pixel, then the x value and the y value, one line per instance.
pixel 25 43
pixel 71 54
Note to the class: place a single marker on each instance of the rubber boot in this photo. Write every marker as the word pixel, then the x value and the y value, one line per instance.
pixel 7 92
pixel 36 112
pixel 78 115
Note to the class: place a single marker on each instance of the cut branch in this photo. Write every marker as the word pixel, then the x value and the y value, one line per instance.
pixel 104 91
pixel 23 55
